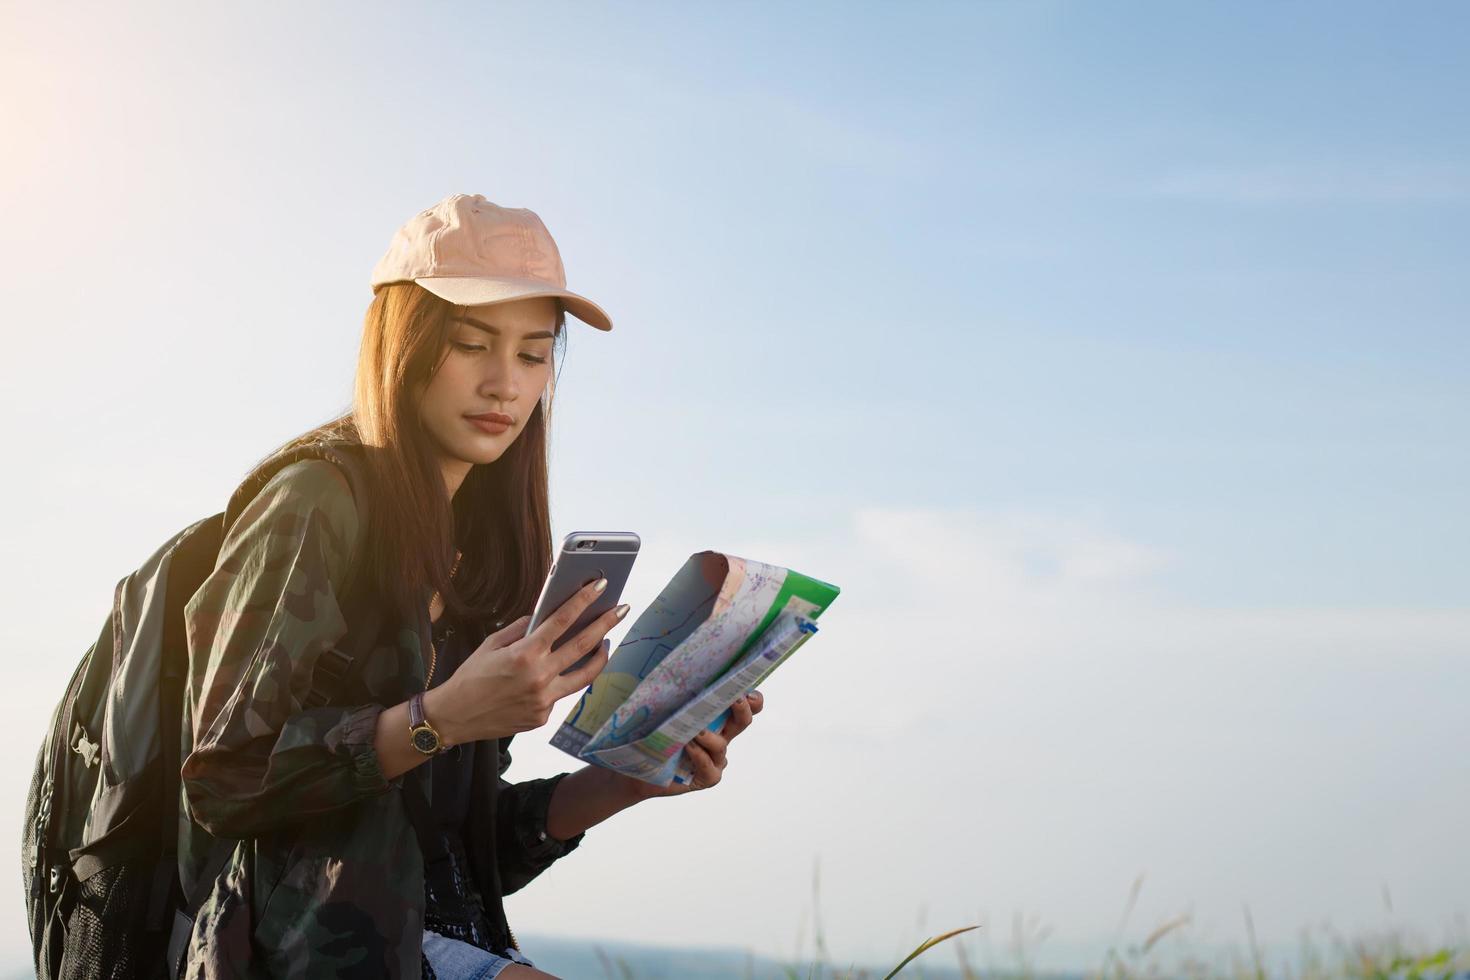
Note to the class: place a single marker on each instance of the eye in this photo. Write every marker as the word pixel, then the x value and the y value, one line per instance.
pixel 533 359
pixel 466 347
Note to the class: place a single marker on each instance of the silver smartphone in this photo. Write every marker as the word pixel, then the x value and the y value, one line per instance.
pixel 586 556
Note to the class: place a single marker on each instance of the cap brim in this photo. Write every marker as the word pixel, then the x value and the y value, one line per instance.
pixel 477 290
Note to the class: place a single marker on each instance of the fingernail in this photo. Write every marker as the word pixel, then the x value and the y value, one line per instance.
pixel 622 610
pixel 599 585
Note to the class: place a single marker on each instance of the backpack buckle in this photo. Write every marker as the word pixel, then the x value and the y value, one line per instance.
pixel 83 746
pixel 327 677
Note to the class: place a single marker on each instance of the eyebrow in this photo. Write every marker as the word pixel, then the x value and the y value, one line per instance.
pixel 538 335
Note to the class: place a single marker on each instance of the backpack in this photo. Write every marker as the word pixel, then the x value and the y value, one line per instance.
pixel 99 842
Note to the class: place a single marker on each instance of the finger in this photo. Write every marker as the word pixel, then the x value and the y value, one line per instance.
pixel 567 613
pixel 757 702
pixel 739 720
pixel 713 744
pixel 508 633
pixel 583 675
pixel 706 773
pixel 741 713
pixel 588 637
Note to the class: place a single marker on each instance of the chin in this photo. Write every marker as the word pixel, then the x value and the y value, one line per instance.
pixel 476 452
pixel 481 455
pixel 487 449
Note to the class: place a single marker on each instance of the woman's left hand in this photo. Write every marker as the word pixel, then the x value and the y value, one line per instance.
pixel 708 750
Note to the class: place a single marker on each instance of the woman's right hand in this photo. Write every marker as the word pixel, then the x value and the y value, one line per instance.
pixel 513 680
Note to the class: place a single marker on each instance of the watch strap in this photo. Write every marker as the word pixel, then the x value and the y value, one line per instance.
pixel 419 724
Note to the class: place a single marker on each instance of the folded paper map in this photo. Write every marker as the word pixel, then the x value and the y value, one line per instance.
pixel 718 629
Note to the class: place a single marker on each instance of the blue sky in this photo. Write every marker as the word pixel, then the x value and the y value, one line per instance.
pixel 1111 357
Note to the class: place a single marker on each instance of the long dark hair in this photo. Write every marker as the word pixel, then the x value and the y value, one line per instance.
pixel 500 519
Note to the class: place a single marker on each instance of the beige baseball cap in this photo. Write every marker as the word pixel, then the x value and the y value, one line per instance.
pixel 469 251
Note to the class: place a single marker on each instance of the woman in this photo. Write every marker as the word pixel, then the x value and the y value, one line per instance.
pixel 322 872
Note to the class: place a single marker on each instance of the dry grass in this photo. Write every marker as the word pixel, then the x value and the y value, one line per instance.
pixel 1323 953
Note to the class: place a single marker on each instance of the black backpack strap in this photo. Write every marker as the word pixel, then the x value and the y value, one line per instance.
pixel 190 564
pixel 329 677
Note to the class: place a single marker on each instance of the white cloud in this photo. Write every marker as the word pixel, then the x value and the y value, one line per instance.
pixel 1016 554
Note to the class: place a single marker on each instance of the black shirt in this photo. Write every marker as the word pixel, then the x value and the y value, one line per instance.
pixel 451 769
pixel 458 916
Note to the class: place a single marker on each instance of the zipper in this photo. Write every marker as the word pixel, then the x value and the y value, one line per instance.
pixel 62 721
pixel 42 826
pixel 44 831
pixel 434 652
pixel 514 945
pixel 65 715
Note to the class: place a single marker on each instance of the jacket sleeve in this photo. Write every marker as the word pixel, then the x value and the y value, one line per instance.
pixel 523 849
pixel 255 629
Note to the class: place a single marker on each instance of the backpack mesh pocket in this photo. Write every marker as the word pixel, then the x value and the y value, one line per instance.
pixel 106 938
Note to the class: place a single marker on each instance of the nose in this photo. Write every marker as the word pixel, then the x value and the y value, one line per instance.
pixel 498 381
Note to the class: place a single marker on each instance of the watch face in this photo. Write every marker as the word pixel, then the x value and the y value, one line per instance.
pixel 425 740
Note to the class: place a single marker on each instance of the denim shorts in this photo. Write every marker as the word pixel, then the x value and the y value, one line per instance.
pixel 453 959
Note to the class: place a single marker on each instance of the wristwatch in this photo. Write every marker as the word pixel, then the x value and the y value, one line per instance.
pixel 421 734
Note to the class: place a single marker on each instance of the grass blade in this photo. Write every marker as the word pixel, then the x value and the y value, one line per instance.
pixel 925 946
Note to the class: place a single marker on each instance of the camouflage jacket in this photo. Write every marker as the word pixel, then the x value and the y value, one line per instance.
pixel 326 877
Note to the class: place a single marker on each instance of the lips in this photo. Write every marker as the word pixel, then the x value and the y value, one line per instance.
pixel 491 423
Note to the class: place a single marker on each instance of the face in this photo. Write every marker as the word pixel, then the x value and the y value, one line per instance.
pixel 498 363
